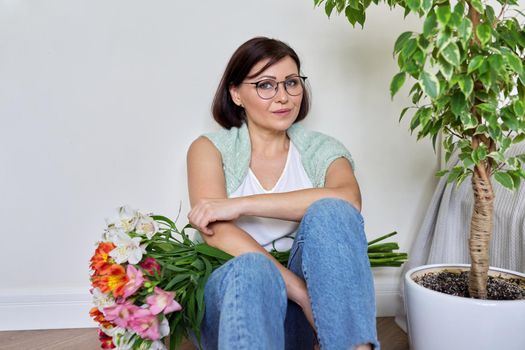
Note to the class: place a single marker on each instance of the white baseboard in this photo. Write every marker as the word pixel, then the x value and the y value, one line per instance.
pixel 51 309
pixel 388 299
pixel 56 309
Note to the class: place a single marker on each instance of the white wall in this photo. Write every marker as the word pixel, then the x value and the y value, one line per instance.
pixel 100 99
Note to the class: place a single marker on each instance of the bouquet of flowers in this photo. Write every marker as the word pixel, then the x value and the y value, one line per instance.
pixel 141 265
pixel 148 280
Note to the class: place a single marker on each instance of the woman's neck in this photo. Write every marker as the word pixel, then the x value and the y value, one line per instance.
pixel 268 143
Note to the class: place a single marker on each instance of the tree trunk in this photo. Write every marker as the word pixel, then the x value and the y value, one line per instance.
pixel 480 231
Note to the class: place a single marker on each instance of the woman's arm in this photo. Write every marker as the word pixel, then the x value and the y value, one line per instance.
pixel 206 180
pixel 340 183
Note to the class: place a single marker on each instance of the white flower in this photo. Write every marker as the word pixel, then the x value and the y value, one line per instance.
pixel 128 249
pixel 123 340
pixel 101 300
pixel 125 219
pixel 146 226
pixel 164 327
pixel 111 233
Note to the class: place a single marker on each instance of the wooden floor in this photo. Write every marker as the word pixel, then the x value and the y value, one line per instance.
pixel 390 335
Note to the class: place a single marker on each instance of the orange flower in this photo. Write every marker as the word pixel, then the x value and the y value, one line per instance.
pixel 101 259
pixel 99 317
pixel 112 279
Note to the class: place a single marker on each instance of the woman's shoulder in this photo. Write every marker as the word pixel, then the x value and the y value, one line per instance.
pixel 306 139
pixel 226 139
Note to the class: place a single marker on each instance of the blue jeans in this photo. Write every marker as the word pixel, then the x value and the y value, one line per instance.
pixel 246 300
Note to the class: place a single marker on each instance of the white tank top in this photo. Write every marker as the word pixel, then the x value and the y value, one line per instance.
pixel 267 230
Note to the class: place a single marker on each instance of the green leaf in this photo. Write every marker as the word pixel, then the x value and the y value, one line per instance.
pixel 465 29
pixel 489 13
pixel 208 250
pixel 518 138
pixel 354 4
pixel 329 7
pixel 504 179
pixel 514 62
pixel 510 120
pixel 477 5
pixel 496 62
pixel 454 173
pixel 474 64
pixel 397 82
pixel 414 5
pixel 429 84
pixel 442 172
pixel 458 103
pixel 409 48
pixel 355 15
pixel 446 69
pixel 484 33
pixel 426 5
pixel 497 156
pixel 459 9
pixel 486 107
pixel 430 24
pixel 451 54
pixel 479 154
pixel 519 108
pixel 443 14
pixel 403 112
pixel 468 121
pixel 466 85
pixel 401 41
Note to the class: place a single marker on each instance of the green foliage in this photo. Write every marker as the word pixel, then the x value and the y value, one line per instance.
pixel 467 65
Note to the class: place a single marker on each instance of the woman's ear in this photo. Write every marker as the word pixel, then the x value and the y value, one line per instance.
pixel 235 95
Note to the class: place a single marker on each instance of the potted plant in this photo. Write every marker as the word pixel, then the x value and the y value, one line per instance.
pixel 469 86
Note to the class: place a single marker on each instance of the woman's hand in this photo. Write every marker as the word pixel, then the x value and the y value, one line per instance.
pixel 208 210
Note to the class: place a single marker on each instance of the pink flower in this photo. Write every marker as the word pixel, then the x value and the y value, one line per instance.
pixel 145 324
pixel 151 266
pixel 162 301
pixel 135 280
pixel 121 313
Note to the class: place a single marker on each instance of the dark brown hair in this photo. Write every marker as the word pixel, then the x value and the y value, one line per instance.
pixel 224 110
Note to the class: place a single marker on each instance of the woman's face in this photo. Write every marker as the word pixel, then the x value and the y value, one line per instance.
pixel 278 112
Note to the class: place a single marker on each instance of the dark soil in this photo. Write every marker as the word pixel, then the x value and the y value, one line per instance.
pixel 454 283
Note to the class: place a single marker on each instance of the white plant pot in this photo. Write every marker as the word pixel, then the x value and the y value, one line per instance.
pixel 438 321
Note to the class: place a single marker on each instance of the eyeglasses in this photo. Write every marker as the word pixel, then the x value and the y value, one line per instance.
pixel 267 88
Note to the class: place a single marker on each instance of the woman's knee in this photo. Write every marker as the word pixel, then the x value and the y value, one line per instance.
pixel 332 217
pixel 330 207
pixel 257 269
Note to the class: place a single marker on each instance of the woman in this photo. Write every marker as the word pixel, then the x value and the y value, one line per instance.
pixel 250 186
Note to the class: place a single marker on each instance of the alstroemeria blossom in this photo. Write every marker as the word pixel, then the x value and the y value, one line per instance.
pixel 145 324
pixel 136 280
pixel 106 342
pixel 113 279
pixel 101 259
pixel 128 249
pixel 162 301
pixel 146 226
pixel 123 340
pixel 151 266
pixel 101 300
pixel 121 313
pixel 125 218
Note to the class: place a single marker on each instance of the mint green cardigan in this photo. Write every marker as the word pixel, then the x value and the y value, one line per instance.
pixel 317 151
